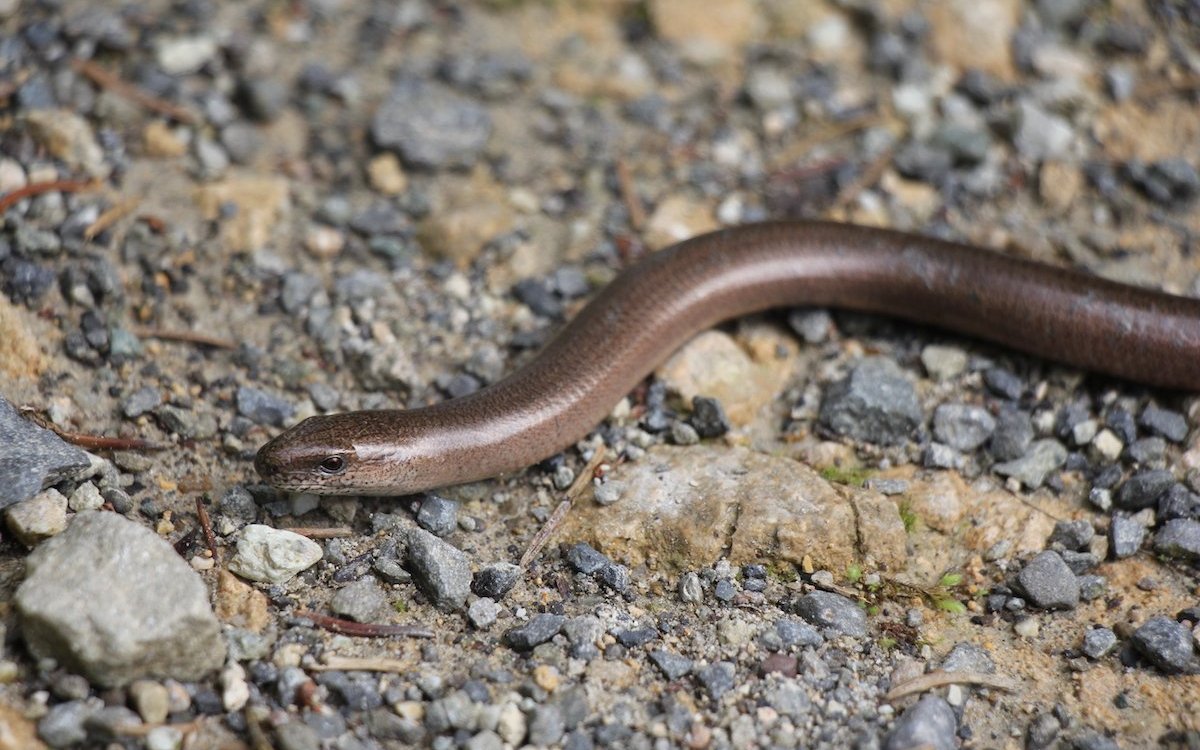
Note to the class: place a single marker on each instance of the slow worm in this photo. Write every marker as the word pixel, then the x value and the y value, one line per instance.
pixel 657 304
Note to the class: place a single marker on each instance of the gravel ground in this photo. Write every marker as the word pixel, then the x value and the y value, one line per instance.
pixel 808 529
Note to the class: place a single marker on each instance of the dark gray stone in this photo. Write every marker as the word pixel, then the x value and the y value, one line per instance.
pixel 829 610
pixel 1166 644
pixel 431 126
pixel 1031 469
pixel 585 559
pixel 1098 642
pixel 929 724
pixel 1143 489
pixel 1072 535
pixel 262 407
pixel 141 401
pixel 796 633
pixel 875 403
pixel 1048 583
pixel 362 601
pixel 32 458
pixel 1164 422
pixel 495 580
pixel 717 678
pixel 539 629
pixel 673 666
pixel 708 417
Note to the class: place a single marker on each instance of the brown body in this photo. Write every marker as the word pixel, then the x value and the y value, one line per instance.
pixel 656 305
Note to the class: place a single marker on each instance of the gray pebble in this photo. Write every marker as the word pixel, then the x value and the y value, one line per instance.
pixel 585 559
pixel 813 326
pixel 141 401
pixel 1048 583
pixel 828 610
pixel 967 657
pixel 962 426
pixel 539 629
pixel 483 612
pixel 1166 644
pixel 262 407
pixel 673 666
pixel 683 433
pixel 929 724
pixel 262 99
pixel 717 678
pixel 875 403
pixel 1125 536
pixel 1098 642
pixel 63 725
pixel 361 601
pixel 690 590
pixel 796 633
pixel 431 126
pixel 437 515
pixel 708 417
pixel 442 571
pixel 1092 587
pixel 1040 134
pixel 1031 470
pixel 32 458
pixel 1003 383
pixel 1163 422
pixel 1072 535
pixel 546 726
pixel 1179 538
pixel 495 580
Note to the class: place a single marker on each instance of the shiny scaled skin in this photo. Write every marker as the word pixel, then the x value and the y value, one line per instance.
pixel 656 305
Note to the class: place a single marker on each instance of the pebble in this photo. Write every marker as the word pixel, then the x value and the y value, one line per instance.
pixel 32 458
pixel 968 657
pixel 794 633
pixel 115 618
pixel 1098 642
pixel 1041 135
pixel 540 628
pixel 37 519
pixel 1125 536
pixel 1167 645
pixel 1143 489
pixel 708 417
pixel 673 666
pixel 263 408
pixel 1003 383
pixel 483 612
pixel 829 610
pixel 583 558
pixel 813 326
pixel 141 401
pixel 495 580
pixel 184 55
pixel 546 726
pixel 1048 583
pixel 362 600
pixel 876 403
pixel 150 700
pixel 929 723
pixel 1163 422
pixel 690 590
pixel 943 362
pixel 431 126
pixel 437 515
pixel 1179 538
pixel 962 426
pixel 272 555
pixel 1031 469
pixel 717 678
pixel 85 497
pixel 1072 535
pixel 442 571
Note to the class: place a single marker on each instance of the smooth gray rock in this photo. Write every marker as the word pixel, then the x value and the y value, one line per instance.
pixel 431 126
pixel 1031 470
pixel 1179 537
pixel 829 610
pixel 1167 644
pixel 109 599
pixel 32 458
pixel 963 427
pixel 362 601
pixel 1048 582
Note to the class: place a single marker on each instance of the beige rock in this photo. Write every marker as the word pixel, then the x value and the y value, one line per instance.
pixel 386 175
pixel 40 517
pixel 20 355
pixel 1059 184
pixel 469 213
pixel 260 202
pixel 678 218
pixel 69 137
pixel 686 508
pixel 239 604
pixel 975 34
pixel 16 731
pixel 161 141
pixel 711 34
pixel 939 501
pixel 713 364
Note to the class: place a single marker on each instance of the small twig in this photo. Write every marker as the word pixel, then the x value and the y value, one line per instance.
pixel 364 629
pixel 335 663
pixel 109 217
pixel 560 513
pixel 91 442
pixel 53 186
pixel 111 81
pixel 1154 89
pixel 832 132
pixel 941 678
pixel 321 532
pixel 633 204
pixel 206 525
pixel 187 337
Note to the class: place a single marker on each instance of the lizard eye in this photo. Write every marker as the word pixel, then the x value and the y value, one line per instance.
pixel 331 465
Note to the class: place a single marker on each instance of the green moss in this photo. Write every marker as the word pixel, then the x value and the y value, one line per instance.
pixel 908 517
pixel 853 476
